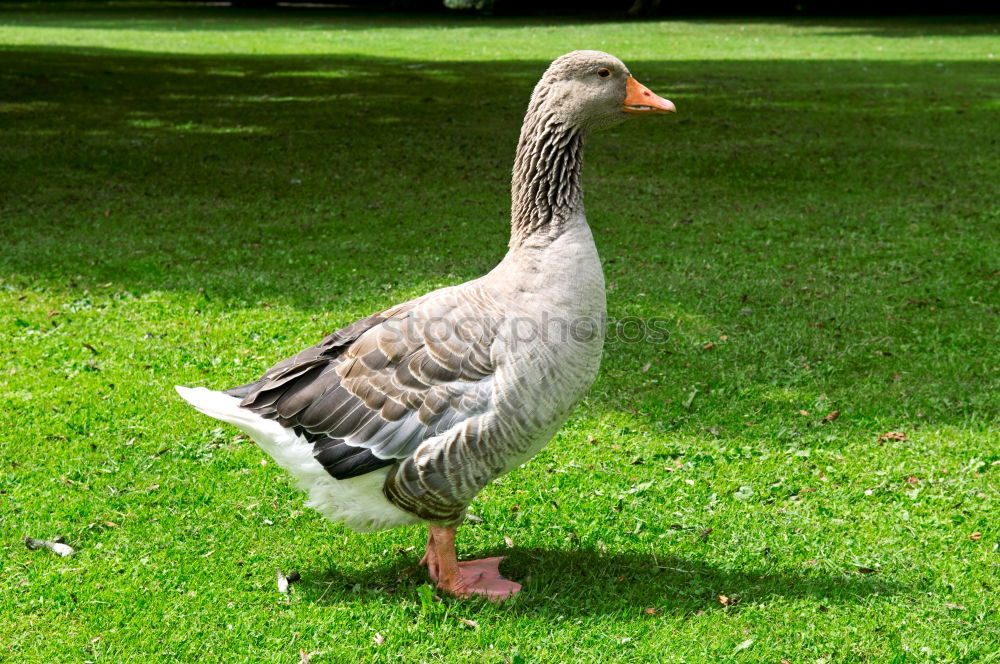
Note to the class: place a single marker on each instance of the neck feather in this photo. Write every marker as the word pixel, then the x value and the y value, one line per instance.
pixel 545 187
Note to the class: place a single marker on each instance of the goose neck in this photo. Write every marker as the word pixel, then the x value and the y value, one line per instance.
pixel 546 193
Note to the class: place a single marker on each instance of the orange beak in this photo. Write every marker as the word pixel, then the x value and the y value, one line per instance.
pixel 640 99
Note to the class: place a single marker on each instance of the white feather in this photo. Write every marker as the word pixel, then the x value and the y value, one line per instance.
pixel 358 502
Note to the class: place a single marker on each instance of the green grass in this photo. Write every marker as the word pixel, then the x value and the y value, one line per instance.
pixel 191 193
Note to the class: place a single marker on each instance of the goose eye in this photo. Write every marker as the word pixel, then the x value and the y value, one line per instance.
pixel 604 72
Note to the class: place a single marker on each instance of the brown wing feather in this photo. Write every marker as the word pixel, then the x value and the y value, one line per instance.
pixel 370 392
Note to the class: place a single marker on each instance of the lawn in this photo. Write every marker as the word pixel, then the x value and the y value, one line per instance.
pixel 190 193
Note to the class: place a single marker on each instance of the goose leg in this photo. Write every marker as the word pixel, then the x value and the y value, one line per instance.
pixel 464 579
pixel 430 558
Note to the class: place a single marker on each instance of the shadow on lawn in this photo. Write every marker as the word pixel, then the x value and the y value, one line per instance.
pixel 586 582
pixel 241 174
pixel 316 181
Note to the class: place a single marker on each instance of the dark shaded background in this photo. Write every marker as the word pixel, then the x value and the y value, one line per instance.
pixel 637 8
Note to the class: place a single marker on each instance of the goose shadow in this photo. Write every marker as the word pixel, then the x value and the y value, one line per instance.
pixel 587 581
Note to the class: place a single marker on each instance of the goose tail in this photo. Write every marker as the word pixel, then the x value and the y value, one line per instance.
pixel 288 449
pixel 227 408
pixel 358 502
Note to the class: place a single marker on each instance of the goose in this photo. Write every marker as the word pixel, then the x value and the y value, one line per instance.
pixel 404 416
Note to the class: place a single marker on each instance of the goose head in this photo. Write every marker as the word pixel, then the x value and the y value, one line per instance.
pixel 591 90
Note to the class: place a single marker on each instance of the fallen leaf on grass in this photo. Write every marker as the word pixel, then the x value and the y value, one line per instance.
pixel 868 570
pixel 468 623
pixel 650 611
pixel 508 541
pixel 705 533
pixel 708 346
pixel 892 435
pixel 913 479
pixel 976 536
pixel 831 416
pixel 304 656
pixel 379 639
pixel 956 607
pixel 728 601
pixel 804 413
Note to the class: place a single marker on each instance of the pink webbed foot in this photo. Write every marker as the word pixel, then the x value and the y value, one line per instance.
pixel 482 577
pixel 464 579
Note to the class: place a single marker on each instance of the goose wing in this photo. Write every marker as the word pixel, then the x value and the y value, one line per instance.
pixel 370 393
